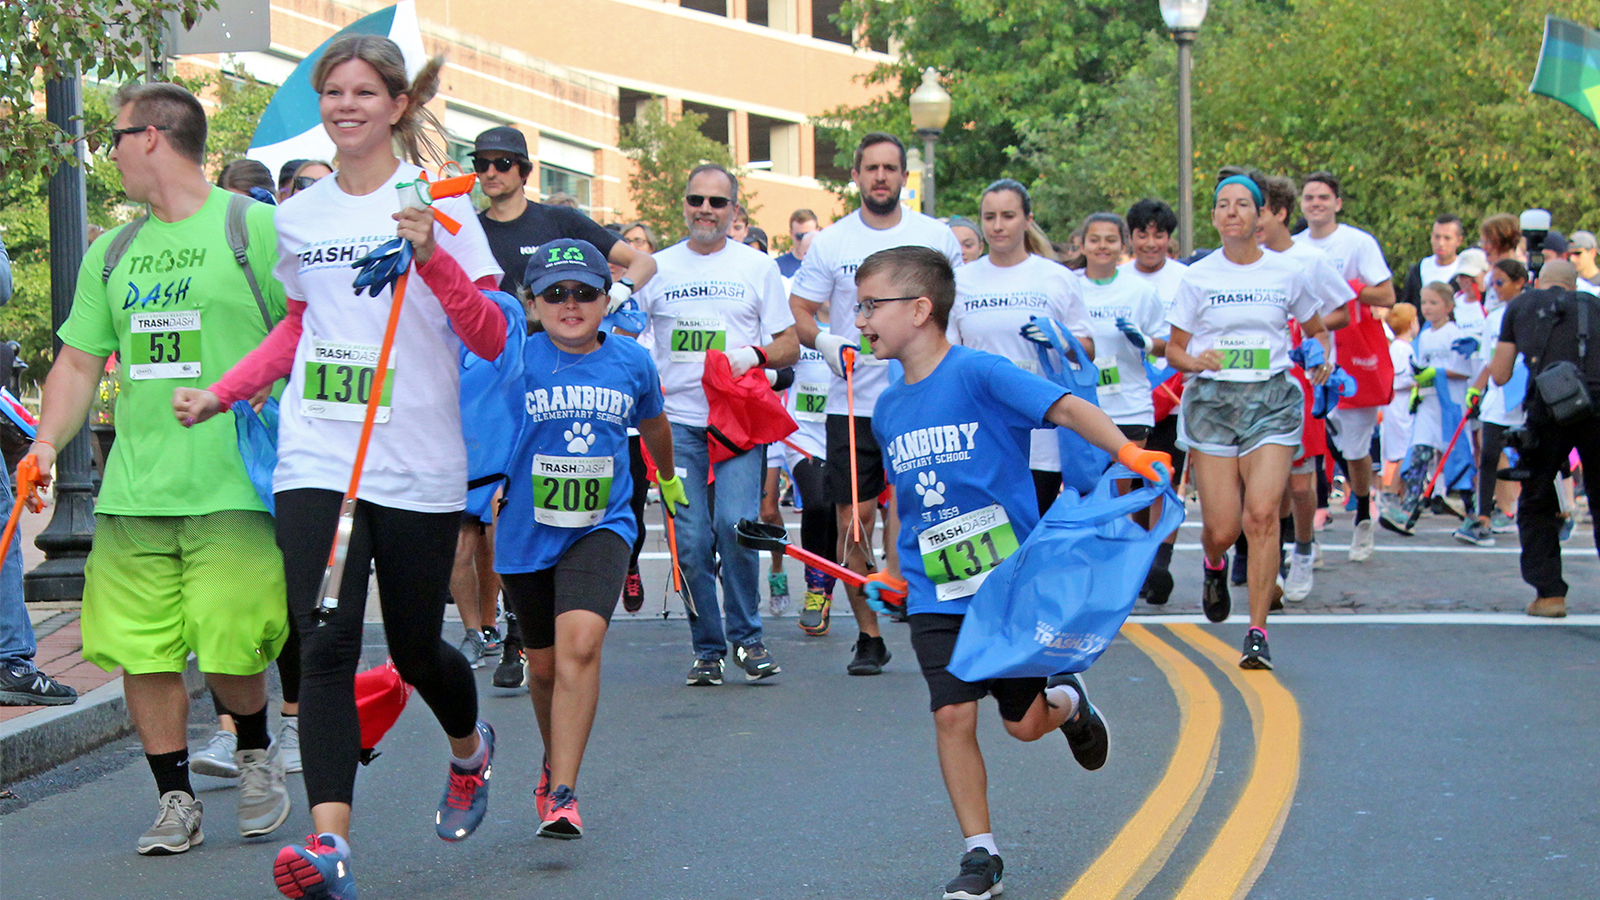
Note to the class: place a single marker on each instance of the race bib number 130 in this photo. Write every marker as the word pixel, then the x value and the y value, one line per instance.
pixel 164 345
pixel 338 382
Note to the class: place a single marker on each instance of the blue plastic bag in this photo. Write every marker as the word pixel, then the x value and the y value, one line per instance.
pixel 1082 463
pixel 491 407
pixel 1057 603
pixel 258 445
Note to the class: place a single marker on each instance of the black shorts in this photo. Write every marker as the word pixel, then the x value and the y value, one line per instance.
pixel 1135 432
pixel 933 637
pixel 836 466
pixel 589 576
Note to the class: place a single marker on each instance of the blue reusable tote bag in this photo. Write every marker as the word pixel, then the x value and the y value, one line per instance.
pixel 1082 463
pixel 258 445
pixel 1057 603
pixel 491 407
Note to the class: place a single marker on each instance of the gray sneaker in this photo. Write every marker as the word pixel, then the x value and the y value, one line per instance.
pixel 216 757
pixel 263 797
pixel 472 647
pixel 177 827
pixel 288 744
pixel 1476 533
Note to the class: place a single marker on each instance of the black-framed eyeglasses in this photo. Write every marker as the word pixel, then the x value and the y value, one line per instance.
pixel 582 294
pixel 698 200
pixel 500 163
pixel 117 134
pixel 867 307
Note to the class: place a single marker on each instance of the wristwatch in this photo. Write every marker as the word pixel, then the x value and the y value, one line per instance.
pixel 628 282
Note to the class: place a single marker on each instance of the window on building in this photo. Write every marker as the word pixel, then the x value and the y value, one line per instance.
pixel 715 126
pixel 630 102
pixel 824 151
pixel 714 7
pixel 756 12
pixel 823 26
pixel 566 167
pixel 556 180
pixel 774 145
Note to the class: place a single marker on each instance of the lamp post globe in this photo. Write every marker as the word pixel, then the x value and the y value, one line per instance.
pixel 930 111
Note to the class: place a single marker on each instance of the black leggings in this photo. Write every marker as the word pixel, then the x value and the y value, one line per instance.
pixel 413 553
pixel 641 492
pixel 1494 443
pixel 819 525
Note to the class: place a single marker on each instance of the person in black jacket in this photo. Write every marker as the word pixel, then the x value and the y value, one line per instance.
pixel 1446 238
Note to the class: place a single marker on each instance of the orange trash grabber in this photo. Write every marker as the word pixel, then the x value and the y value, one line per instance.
pixel 678 584
pixel 421 193
pixel 849 354
pixel 27 495
pixel 761 536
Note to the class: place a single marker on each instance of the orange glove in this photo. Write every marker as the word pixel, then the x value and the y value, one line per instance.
pixel 28 483
pixel 885 593
pixel 1152 464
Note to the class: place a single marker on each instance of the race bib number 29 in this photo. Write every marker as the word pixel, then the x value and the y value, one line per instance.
pixel 1244 359
pixel 164 345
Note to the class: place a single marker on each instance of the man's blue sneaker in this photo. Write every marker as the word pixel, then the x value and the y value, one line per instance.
pixel 466 796
pixel 318 871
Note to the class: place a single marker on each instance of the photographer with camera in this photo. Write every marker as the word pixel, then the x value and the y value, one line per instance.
pixel 1552 328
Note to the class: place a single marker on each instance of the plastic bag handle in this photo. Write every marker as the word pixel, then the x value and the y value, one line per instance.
pixel 1100 508
pixel 1082 376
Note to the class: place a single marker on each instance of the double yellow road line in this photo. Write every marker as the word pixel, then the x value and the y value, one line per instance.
pixel 1246 839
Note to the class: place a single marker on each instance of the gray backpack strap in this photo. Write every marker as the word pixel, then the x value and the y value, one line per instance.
pixel 119 246
pixel 238 231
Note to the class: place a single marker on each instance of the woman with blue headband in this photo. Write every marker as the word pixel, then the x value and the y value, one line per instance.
pixel 1242 409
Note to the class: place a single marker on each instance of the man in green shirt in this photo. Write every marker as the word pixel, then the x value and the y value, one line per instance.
pixel 184 557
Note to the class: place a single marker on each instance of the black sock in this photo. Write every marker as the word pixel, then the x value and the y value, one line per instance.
pixel 1363 507
pixel 1302 548
pixel 171 771
pixel 1164 556
pixel 253 730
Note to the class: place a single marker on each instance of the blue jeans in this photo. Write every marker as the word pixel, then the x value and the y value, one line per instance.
pixel 16 632
pixel 705 534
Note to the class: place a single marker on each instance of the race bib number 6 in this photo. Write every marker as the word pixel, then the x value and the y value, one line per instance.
pixel 338 382
pixel 959 554
pixel 692 337
pixel 571 491
pixel 164 345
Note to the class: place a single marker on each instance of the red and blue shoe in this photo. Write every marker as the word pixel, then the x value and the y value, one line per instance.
pixel 541 794
pixel 561 821
pixel 318 871
pixel 466 795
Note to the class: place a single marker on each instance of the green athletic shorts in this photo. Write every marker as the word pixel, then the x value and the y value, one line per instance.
pixel 158 587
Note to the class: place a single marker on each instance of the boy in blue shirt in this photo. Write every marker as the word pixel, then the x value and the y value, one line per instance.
pixel 955 434
pixel 566 529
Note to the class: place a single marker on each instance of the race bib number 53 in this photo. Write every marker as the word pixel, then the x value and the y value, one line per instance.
pixel 165 345
pixel 959 554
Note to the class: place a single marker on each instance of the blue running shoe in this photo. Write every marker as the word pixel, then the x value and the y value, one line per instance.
pixel 466 796
pixel 318 871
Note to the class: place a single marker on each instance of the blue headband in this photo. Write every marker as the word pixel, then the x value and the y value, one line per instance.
pixel 1249 185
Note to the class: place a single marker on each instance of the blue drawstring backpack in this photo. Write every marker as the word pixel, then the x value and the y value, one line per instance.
pixel 492 407
pixel 258 445
pixel 1057 603
pixel 1082 463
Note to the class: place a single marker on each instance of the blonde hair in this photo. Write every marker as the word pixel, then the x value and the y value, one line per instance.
pixel 1038 243
pixel 383 55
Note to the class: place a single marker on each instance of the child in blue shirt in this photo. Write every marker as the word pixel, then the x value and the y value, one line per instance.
pixel 955 437
pixel 566 529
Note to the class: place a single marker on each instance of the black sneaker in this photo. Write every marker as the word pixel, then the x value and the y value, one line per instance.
pixel 1215 600
pixel 705 673
pixel 1256 655
pixel 756 661
pixel 1086 731
pixel 1157 587
pixel 871 656
pixel 979 878
pixel 511 673
pixel 492 641
pixel 1241 566
pixel 23 685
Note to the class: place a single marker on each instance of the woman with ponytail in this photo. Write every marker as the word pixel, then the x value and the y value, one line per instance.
pixel 997 296
pixel 413 488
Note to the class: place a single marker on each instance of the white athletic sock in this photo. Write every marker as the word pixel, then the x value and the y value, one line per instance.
pixel 478 755
pixel 985 840
pixel 1062 696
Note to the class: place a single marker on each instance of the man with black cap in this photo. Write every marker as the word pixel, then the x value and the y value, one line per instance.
pixel 515 226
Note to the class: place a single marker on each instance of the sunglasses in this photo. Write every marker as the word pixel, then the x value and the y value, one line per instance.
pixel 301 182
pixel 698 200
pixel 582 294
pixel 500 163
pixel 118 133
pixel 866 308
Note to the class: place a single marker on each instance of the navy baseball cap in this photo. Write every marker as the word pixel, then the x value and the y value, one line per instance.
pixel 503 138
pixel 566 260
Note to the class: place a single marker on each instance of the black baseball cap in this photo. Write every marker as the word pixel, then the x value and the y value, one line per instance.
pixel 503 138
pixel 756 236
pixel 566 259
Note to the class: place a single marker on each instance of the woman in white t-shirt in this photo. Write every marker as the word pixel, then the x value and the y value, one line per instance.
pixel 1129 321
pixel 998 295
pixel 1242 409
pixel 413 489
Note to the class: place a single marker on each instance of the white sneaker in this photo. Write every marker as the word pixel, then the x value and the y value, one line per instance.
pixel 177 826
pixel 1316 555
pixel 263 797
pixel 216 757
pixel 288 744
pixel 1361 542
pixel 1298 585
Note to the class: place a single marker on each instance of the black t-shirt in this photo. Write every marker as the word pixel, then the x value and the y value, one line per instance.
pixel 514 241
pixel 1544 326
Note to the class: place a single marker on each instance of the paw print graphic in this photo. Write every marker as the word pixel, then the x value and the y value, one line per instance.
pixel 930 488
pixel 579 438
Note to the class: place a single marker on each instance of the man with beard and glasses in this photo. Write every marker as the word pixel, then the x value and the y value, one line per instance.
pixel 711 292
pixel 827 276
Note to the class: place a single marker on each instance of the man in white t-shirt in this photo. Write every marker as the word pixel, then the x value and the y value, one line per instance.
pixel 710 292
pixel 827 277
pixel 1356 255
pixel 1446 238
pixel 1581 253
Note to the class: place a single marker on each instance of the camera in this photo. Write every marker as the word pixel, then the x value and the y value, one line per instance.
pixel 1535 225
pixel 1522 440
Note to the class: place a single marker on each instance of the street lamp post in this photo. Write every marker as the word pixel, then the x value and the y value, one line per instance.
pixel 930 110
pixel 1183 18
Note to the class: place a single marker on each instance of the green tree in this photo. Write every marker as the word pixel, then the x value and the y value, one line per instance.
pixel 664 149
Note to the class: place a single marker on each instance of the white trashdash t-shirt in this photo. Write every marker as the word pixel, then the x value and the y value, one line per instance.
pixel 1124 390
pixel 1244 312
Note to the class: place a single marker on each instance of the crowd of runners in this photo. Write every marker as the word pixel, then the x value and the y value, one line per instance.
pixel 477 405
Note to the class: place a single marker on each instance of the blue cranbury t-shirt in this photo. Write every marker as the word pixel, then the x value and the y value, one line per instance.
pixel 570 473
pixel 956 447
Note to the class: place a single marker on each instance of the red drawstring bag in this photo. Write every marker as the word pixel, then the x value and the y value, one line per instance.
pixel 1167 395
pixel 745 412
pixel 1364 353
pixel 381 696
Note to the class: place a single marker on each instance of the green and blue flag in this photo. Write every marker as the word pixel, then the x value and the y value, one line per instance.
pixel 1569 67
